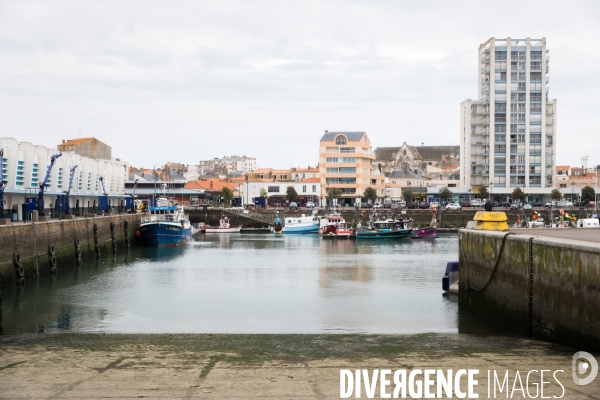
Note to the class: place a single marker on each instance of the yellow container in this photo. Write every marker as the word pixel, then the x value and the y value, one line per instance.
pixel 490 221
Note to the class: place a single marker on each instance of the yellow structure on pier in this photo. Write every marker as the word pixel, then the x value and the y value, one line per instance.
pixel 490 221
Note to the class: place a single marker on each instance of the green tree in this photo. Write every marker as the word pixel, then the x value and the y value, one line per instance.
pixel 518 194
pixel 370 194
pixel 335 193
pixel 407 194
pixel 263 192
pixel 291 194
pixel 556 195
pixel 483 193
pixel 227 195
pixel 588 193
pixel 445 194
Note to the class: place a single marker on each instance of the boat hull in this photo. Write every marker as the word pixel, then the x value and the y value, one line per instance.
pixel 397 234
pixel 300 229
pixel 231 229
pixel 424 233
pixel 164 234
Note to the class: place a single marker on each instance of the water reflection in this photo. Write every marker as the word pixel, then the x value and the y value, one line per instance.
pixel 249 284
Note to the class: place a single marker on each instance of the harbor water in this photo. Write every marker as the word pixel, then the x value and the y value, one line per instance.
pixel 255 283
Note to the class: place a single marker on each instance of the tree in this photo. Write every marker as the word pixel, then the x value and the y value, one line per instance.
pixel 291 194
pixel 335 193
pixel 588 193
pixel 227 195
pixel 518 194
pixel 407 194
pixel 483 193
pixel 556 195
pixel 370 194
pixel 445 194
pixel 263 192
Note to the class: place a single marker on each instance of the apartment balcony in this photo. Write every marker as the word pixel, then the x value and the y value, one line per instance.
pixel 549 121
pixel 474 121
pixel 485 59
pixel 485 69
pixel 486 111
pixel 485 132
pixel 485 122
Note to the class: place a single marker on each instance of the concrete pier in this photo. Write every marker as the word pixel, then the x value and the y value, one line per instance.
pixel 537 286
pixel 34 242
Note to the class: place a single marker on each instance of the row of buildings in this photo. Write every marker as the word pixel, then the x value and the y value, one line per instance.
pixel 507 140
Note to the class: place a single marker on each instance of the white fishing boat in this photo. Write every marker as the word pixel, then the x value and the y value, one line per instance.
pixel 224 227
pixel 301 224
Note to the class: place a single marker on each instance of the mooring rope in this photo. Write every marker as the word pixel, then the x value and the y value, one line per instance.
pixel 468 285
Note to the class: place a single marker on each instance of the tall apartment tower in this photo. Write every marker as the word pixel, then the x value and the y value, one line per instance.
pixel 508 136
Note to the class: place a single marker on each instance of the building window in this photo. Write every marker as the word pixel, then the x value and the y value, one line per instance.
pixel 303 188
pixel 563 185
pixel 341 140
pixel 314 188
pixel 20 167
pixel 473 109
pixel 347 150
pixel 273 189
pixel 473 130
pixel 4 169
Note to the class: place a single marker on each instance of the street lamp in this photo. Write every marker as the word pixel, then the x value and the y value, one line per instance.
pixel 491 191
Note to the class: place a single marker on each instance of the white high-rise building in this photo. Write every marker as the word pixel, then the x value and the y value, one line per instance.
pixel 508 135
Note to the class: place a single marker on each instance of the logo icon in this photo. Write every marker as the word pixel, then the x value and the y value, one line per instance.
pixel 583 363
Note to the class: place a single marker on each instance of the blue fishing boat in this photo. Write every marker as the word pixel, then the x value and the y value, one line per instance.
pixel 301 224
pixel 384 229
pixel 165 224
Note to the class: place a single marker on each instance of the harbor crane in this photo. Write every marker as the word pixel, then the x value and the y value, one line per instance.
pixel 68 191
pixel 2 183
pixel 103 200
pixel 40 203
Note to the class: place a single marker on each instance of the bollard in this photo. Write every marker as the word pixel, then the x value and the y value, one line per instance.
pixel 490 221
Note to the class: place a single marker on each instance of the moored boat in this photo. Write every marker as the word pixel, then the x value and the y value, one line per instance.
pixel 165 224
pixel 301 224
pixel 333 226
pixel 384 229
pixel 224 227
pixel 424 233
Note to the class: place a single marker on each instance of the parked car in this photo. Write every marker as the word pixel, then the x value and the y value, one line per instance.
pixel 293 205
pixel 591 204
pixel 387 205
pixel 434 204
pixel 412 205
pixel 465 203
pixel 453 206
pixel 377 205
pixel 537 204
pixel 568 204
pixel 366 205
pixel 515 205
pixel 505 204
pixel 476 203
pixel 310 204
pixel 527 206
pixel 496 204
pixel 424 205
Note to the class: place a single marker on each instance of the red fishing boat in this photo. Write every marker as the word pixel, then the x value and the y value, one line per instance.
pixel 333 226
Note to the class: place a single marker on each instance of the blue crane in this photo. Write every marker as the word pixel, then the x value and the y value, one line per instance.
pixel 103 200
pixel 68 191
pixel 40 204
pixel 2 183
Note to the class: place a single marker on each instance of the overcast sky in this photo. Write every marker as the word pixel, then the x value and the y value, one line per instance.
pixel 191 80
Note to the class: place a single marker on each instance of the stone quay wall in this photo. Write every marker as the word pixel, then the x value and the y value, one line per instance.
pixel 539 287
pixel 34 241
